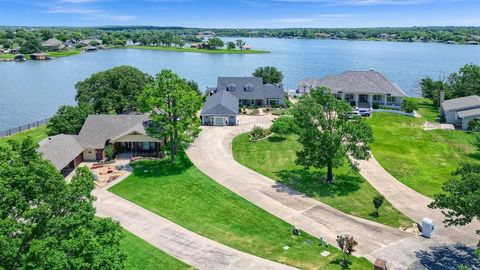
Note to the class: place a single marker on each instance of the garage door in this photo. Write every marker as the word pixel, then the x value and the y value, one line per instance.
pixel 218 121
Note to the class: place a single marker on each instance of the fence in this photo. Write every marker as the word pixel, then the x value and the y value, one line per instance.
pixel 12 131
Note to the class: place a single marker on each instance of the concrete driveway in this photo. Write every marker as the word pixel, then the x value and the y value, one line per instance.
pixel 212 154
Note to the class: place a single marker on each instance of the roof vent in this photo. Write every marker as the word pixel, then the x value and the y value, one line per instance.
pixel 371 69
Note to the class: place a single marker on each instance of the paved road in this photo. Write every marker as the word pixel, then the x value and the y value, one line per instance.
pixel 185 245
pixel 212 154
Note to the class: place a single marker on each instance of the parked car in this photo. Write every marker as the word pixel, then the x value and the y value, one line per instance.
pixel 353 115
pixel 364 112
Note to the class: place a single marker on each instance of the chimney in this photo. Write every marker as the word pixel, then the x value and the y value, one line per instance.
pixel 442 96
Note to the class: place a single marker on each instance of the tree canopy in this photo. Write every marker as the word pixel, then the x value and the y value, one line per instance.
pixel 114 90
pixel 461 198
pixel 68 119
pixel 269 74
pixel 326 132
pixel 465 82
pixel 47 223
pixel 173 103
pixel 215 43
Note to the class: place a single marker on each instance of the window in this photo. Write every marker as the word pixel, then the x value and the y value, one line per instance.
pixel 338 96
pixel 231 87
pixel 249 87
pixel 349 97
pixel 377 97
pixel 390 99
pixel 146 145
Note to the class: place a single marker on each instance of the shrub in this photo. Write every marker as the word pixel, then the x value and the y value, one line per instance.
pixel 284 125
pixel 409 105
pixel 258 133
pixel 476 141
pixel 375 105
pixel 378 201
pixel 474 125
pixel 110 152
pixel 353 103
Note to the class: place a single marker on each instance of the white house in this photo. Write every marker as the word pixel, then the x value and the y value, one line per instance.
pixel 364 88
pixel 460 111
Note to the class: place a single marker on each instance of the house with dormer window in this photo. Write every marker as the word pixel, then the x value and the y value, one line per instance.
pixel 223 102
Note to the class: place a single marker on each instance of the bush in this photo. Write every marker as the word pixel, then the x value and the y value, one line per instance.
pixel 110 152
pixel 284 125
pixel 258 133
pixel 409 105
pixel 353 103
pixel 375 105
pixel 474 125
pixel 476 141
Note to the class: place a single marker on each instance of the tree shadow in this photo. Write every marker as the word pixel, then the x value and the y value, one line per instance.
pixel 374 214
pixel 448 257
pixel 312 183
pixel 157 168
pixel 340 263
pixel 276 139
pixel 474 155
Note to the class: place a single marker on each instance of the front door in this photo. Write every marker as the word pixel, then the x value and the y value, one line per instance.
pixel 363 98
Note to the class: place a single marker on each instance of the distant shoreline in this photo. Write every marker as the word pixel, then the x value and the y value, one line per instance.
pixel 195 50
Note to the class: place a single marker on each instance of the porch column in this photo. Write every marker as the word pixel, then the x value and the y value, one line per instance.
pixel 343 96
pixel 370 100
pixel 385 100
pixel 356 100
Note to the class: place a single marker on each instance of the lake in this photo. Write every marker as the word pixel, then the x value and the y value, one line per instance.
pixel 31 91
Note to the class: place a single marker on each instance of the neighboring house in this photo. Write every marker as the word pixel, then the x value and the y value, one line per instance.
pixel 460 111
pixel 361 88
pixel 53 44
pixel 90 41
pixel 70 43
pixel 127 133
pixel 39 56
pixel 15 50
pixel 232 92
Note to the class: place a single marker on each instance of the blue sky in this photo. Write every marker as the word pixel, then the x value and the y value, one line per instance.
pixel 240 13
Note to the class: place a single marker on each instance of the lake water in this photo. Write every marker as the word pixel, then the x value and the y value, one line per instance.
pixel 30 91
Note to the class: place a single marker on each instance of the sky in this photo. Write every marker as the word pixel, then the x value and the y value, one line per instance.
pixel 241 13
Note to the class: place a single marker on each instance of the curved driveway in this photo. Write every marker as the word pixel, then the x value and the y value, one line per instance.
pixel 212 154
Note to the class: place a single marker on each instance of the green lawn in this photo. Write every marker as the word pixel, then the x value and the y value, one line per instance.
pixel 143 256
pixel 194 50
pixel 423 160
pixel 37 134
pixel 426 109
pixel 63 53
pixel 184 195
pixel 350 193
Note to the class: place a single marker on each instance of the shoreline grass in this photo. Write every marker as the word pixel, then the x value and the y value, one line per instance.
pixel 38 133
pixel 183 194
pixel 350 193
pixel 194 50
pixel 57 54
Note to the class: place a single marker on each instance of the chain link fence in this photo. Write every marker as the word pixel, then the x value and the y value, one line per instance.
pixel 28 126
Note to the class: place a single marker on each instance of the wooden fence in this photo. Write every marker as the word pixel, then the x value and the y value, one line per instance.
pixel 28 126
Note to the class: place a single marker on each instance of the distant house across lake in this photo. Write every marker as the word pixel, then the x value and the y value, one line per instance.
pixel 360 88
pixel 53 44
pixel 39 56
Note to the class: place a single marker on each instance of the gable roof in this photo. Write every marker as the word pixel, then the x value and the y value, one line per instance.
pixel 60 149
pixel 221 103
pixel 51 42
pixel 371 82
pixel 98 129
pixel 259 91
pixel 462 103
pixel 469 113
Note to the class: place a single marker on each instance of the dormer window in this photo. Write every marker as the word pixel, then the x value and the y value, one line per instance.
pixel 249 87
pixel 231 87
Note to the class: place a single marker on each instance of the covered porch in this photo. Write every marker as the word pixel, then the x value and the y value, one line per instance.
pixel 368 100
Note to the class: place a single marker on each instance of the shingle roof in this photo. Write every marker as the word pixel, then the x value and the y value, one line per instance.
pixel 260 91
pixel 100 128
pixel 221 103
pixel 52 42
pixel 60 149
pixel 469 113
pixel 462 103
pixel 371 82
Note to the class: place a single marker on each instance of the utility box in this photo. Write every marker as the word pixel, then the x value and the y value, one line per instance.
pixel 428 227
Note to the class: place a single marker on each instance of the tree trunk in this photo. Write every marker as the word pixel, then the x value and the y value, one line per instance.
pixel 172 150
pixel 329 173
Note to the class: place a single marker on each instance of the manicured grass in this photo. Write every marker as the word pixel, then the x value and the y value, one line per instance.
pixel 184 195
pixel 37 134
pixel 194 50
pixel 426 109
pixel 423 160
pixel 52 54
pixel 143 256
pixel 275 157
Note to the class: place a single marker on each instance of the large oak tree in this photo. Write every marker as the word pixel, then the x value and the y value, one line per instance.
pixel 326 133
pixel 47 223
pixel 114 90
pixel 172 103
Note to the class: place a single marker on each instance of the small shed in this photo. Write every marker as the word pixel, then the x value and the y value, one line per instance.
pixel 15 50
pixel 90 49
pixel 19 57
pixel 39 56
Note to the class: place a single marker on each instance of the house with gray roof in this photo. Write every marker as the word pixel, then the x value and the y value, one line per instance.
pixel 224 100
pixel 362 88
pixel 126 133
pixel 460 111
pixel 53 44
